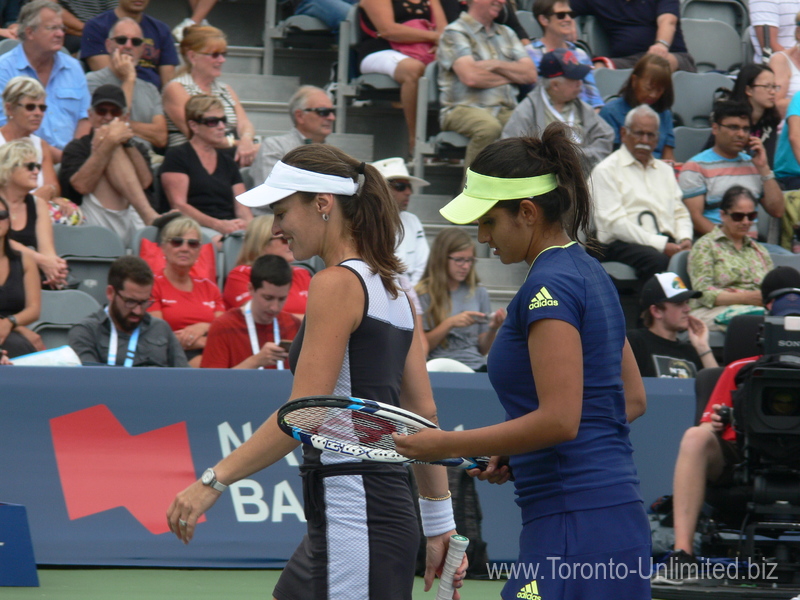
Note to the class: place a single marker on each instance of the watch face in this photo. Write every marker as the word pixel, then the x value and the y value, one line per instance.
pixel 208 477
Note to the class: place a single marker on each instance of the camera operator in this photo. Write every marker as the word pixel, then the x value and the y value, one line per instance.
pixel 708 451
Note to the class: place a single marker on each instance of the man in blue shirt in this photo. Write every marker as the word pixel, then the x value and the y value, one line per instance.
pixel 42 33
pixel 159 58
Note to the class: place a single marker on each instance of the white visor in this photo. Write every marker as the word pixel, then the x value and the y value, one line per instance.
pixel 285 180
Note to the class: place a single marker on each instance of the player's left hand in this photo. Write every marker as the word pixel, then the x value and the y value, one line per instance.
pixel 436 553
pixel 427 445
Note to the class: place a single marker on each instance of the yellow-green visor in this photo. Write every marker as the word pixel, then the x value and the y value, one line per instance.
pixel 482 192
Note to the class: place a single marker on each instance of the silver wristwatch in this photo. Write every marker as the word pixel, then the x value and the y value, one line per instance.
pixel 209 478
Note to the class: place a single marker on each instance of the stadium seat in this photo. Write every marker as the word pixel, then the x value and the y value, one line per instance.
pixel 610 81
pixel 715 46
pixel 730 12
pixel 231 246
pixel 60 311
pixel 89 251
pixel 786 260
pixel 595 36
pixel 694 96
pixel 529 24
pixel 295 31
pixel 678 264
pixel 690 141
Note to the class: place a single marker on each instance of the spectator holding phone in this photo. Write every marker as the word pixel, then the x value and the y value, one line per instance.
pixel 456 308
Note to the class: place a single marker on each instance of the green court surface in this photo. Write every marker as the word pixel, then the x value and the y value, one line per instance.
pixel 184 584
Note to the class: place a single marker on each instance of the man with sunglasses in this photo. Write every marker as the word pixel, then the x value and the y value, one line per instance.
pixel 312 114
pixel 125 47
pixel 159 58
pixel 124 334
pixel 106 172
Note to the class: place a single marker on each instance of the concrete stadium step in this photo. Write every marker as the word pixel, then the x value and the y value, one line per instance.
pixel 357 145
pixel 262 88
pixel 495 275
pixel 499 298
pixel 244 59
pixel 242 20
pixel 426 207
pixel 268 116
pixel 433 229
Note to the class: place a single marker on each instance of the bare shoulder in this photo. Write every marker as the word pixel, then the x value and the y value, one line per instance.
pixel 335 282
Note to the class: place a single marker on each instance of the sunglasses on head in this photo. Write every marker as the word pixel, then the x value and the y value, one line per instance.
pixel 123 39
pixel 215 55
pixel 399 185
pixel 322 112
pixel 739 216
pixel 32 166
pixel 102 111
pixel 177 242
pixel 562 14
pixel 212 121
pixel 3 215
pixel 32 106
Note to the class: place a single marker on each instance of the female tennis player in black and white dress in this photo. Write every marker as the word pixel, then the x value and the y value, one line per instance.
pixel 358 338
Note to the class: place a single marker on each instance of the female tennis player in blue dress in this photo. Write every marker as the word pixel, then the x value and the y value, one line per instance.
pixel 566 376
pixel 358 338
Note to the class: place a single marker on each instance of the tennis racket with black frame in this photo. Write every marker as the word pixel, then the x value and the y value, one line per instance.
pixel 359 428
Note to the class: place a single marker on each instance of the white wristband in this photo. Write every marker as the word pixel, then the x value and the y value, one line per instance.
pixel 437 516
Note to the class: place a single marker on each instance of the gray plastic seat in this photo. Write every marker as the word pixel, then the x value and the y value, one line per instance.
pixel 610 81
pixel 60 311
pixel 786 260
pixel 678 264
pixel 529 24
pixel 689 141
pixel 715 46
pixel 730 12
pixel 231 246
pixel 694 96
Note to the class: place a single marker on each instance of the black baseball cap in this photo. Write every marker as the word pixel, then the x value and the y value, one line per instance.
pixel 109 94
pixel 562 63
pixel 665 287
pixel 781 286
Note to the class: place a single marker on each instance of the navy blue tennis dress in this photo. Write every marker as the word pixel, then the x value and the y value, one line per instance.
pixel 362 535
pixel 582 512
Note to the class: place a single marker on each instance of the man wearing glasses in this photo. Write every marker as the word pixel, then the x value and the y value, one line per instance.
pixel 124 334
pixel 737 158
pixel 312 114
pixel 640 217
pixel 125 46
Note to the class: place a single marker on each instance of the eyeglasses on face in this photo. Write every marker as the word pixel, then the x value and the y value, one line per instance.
pixel 740 216
pixel 322 112
pixel 130 303
pixel 215 55
pixel 123 39
pixel 400 185
pixel 562 14
pixel 102 111
pixel 177 242
pixel 3 215
pixel 768 86
pixel 32 106
pixel 32 166
pixel 462 260
pixel 212 121
pixel 736 128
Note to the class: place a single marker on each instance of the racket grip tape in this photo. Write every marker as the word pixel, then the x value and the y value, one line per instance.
pixel 455 554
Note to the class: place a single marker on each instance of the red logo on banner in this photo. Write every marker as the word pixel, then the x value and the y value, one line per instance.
pixel 102 466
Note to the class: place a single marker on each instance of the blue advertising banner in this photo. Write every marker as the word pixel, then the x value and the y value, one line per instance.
pixel 96 455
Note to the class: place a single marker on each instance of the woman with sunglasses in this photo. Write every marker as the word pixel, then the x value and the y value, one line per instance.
pixel 786 65
pixel 457 317
pixel 258 241
pixel 203 49
pixel 198 178
pixel 726 264
pixel 31 230
pixel 20 294
pixel 188 304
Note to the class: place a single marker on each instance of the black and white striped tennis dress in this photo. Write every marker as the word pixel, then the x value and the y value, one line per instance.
pixel 362 535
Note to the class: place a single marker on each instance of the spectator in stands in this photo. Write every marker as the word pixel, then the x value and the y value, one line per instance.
pixel 556 98
pixel 480 66
pixel 42 33
pixel 772 25
pixel 312 114
pixel 640 217
pixel 24 107
pixel 75 14
pixel 30 229
pixel 198 178
pixel 726 264
pixel 412 247
pixel 635 30
pixel 658 351
pixel 330 12
pixel 650 83
pixel 708 452
pixel 158 59
pixel 707 176
pixel 20 294
pixel 558 25
pixel 106 172
pixel 203 50
pixel 247 337
pixel 9 13
pixel 200 10
pixel 507 16
pixel 125 334
pixel 259 241
pixel 125 47
pixel 755 85
pixel 458 320
pixel 189 305
pixel 786 64
pixel 384 28
pixel 787 166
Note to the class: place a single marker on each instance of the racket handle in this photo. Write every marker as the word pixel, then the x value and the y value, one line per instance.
pixel 458 545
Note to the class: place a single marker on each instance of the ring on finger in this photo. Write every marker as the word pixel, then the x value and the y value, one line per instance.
pixel 182 523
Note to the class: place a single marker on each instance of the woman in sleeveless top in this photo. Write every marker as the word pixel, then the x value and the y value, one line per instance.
pixel 203 49
pixel 786 65
pixel 20 295
pixel 31 231
pixel 358 338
